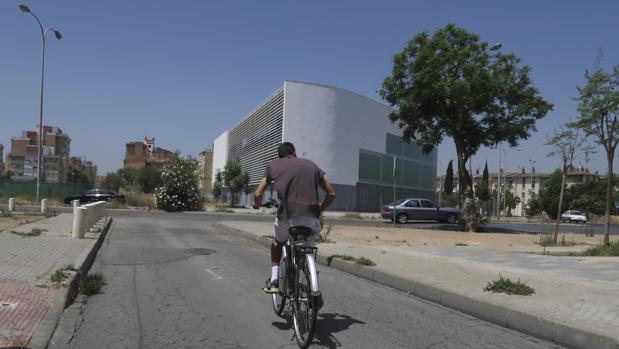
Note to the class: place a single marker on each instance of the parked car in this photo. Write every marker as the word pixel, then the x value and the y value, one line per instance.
pixel 574 217
pixel 95 195
pixel 419 209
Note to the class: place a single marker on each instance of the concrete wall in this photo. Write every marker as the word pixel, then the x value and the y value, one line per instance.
pixel 329 125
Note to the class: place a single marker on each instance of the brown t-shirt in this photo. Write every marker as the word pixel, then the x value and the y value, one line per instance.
pixel 296 181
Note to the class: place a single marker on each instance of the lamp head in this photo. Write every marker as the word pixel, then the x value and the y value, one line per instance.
pixel 24 8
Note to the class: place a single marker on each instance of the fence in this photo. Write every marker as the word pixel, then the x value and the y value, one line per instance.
pixel 47 190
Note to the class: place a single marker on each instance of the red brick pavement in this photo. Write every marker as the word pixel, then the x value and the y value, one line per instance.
pixel 22 306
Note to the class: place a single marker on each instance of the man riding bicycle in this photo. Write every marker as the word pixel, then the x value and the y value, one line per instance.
pixel 297 181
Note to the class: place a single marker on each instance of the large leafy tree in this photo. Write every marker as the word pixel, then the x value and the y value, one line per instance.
pixel 568 145
pixel 112 181
pixel 598 105
pixel 218 185
pixel 450 85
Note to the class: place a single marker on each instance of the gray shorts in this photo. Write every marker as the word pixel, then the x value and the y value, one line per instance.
pixel 280 231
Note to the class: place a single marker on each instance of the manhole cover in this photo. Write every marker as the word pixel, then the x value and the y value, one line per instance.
pixel 199 251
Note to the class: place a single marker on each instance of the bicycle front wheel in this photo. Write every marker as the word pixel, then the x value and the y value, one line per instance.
pixel 305 311
pixel 279 298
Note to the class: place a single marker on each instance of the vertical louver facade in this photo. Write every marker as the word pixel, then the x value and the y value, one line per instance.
pixel 255 139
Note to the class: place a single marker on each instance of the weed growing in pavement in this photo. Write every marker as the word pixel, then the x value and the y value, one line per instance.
pixel 31 233
pixel 69 267
pixel 505 285
pixel 50 214
pixel 376 237
pixel 323 237
pixel 365 262
pixel 461 244
pixel 91 284
pixel 358 261
pixel 58 276
pixel 352 215
pixel 224 210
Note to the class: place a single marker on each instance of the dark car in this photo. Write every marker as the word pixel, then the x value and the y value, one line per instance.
pixel 95 195
pixel 419 209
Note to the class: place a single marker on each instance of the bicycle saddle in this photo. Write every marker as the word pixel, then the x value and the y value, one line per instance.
pixel 300 232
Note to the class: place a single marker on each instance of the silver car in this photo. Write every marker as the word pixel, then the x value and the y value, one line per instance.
pixel 419 209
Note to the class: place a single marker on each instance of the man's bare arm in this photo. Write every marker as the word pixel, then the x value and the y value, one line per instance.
pixel 326 186
pixel 259 191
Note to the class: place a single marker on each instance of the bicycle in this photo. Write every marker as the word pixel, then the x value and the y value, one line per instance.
pixel 298 282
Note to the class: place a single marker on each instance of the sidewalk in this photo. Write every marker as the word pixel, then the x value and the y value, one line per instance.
pixel 30 304
pixel 575 301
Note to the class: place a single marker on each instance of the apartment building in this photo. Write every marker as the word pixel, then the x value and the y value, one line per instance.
pixel 205 170
pixel 22 160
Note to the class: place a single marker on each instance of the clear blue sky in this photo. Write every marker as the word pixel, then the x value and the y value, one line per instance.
pixel 184 71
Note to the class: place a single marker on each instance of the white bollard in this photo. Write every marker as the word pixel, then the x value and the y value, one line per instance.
pixel 44 206
pixel 11 204
pixel 79 220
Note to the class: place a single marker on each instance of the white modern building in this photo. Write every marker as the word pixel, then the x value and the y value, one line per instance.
pixel 348 135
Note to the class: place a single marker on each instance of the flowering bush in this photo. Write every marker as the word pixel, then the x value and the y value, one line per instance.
pixel 179 186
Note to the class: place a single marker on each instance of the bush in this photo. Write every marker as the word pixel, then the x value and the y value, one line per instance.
pixel 352 215
pixel 179 186
pixel 58 276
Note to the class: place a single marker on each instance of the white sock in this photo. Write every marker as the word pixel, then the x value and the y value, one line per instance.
pixel 274 273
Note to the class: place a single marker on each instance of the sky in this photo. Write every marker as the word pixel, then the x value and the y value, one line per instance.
pixel 184 71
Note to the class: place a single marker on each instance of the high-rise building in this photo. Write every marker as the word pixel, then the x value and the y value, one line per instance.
pixel 1 159
pixel 348 135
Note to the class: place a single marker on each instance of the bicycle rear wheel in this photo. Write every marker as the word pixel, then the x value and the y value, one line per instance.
pixel 279 299
pixel 305 311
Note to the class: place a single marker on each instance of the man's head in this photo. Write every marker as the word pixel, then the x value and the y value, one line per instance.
pixel 286 149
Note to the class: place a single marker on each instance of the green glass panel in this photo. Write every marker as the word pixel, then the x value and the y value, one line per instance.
pixel 369 167
pixel 412 150
pixel 387 170
pixel 411 174
pixel 394 144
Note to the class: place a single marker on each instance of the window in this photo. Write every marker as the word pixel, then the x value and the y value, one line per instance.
pixel 412 203
pixel 533 183
pixel 524 181
pixel 427 204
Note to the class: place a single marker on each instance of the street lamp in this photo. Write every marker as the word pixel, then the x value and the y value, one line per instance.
pixel 58 36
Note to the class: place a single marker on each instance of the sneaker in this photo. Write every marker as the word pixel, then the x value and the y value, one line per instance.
pixel 271 286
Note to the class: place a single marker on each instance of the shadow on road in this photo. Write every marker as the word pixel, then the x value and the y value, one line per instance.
pixel 328 324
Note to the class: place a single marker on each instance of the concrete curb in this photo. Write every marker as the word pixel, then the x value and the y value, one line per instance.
pixel 64 297
pixel 547 329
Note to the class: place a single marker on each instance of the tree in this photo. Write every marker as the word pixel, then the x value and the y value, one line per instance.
pixel 548 198
pixel 483 190
pixel 179 189
pixel 510 202
pixel 218 185
pixel 129 176
pixel 568 145
pixel 598 105
pixel 448 186
pixel 149 178
pixel 74 175
pixel 449 85
pixel 112 181
pixel 233 179
pixel 589 197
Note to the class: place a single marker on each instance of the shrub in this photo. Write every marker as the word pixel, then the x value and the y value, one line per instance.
pixel 611 250
pixel 352 215
pixel 179 186
pixel 58 276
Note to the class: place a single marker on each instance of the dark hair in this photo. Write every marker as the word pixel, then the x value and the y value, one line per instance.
pixel 285 149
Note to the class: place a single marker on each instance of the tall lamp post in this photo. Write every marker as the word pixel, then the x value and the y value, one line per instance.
pixel 58 36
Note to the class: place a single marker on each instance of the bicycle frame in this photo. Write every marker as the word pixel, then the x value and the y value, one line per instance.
pixel 295 252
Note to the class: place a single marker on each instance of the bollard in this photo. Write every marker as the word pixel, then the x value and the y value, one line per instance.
pixel 44 206
pixel 79 220
pixel 11 204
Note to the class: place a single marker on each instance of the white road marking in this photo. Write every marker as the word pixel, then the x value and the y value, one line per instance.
pixel 217 277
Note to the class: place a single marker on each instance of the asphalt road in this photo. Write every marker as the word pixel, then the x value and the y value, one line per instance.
pixel 175 281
